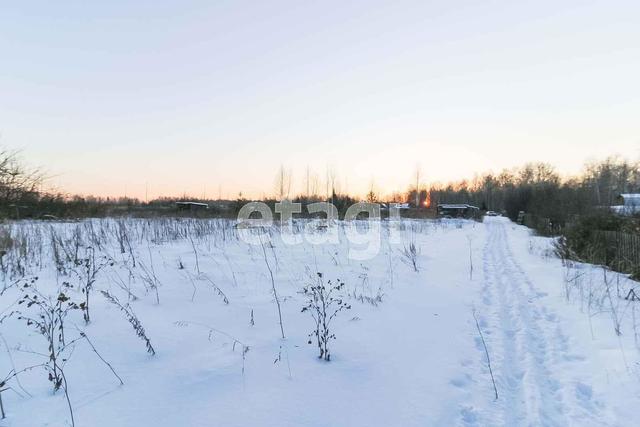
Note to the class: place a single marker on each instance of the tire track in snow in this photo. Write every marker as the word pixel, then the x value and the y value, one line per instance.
pixel 499 324
pixel 532 359
pixel 527 371
pixel 522 357
pixel 540 378
pixel 581 406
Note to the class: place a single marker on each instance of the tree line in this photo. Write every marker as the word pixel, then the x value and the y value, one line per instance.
pixel 538 189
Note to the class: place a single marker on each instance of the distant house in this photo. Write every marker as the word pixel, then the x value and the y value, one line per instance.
pixel 398 205
pixel 629 204
pixel 457 210
pixel 393 205
pixel 191 206
pixel 630 199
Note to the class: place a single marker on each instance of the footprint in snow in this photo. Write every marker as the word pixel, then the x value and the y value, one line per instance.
pixel 469 416
pixel 462 381
pixel 584 392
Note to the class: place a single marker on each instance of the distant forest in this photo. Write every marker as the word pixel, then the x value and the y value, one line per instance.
pixel 537 189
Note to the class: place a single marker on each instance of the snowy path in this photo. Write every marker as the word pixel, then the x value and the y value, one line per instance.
pixel 530 351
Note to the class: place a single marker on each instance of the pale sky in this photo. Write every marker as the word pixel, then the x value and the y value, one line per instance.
pixel 178 96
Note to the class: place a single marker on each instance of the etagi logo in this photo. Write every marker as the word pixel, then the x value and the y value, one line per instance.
pixel 361 226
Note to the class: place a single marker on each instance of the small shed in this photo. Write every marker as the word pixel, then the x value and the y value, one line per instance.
pixel 191 206
pixel 457 210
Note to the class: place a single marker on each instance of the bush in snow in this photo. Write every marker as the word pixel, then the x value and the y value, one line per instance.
pixel 47 315
pixel 87 269
pixel 323 305
pixel 410 256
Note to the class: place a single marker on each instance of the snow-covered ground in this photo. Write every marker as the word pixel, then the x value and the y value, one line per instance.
pixel 407 353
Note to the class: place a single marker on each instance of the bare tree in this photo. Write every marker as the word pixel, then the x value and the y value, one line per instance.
pixel 332 179
pixel 18 182
pixel 372 195
pixel 283 183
